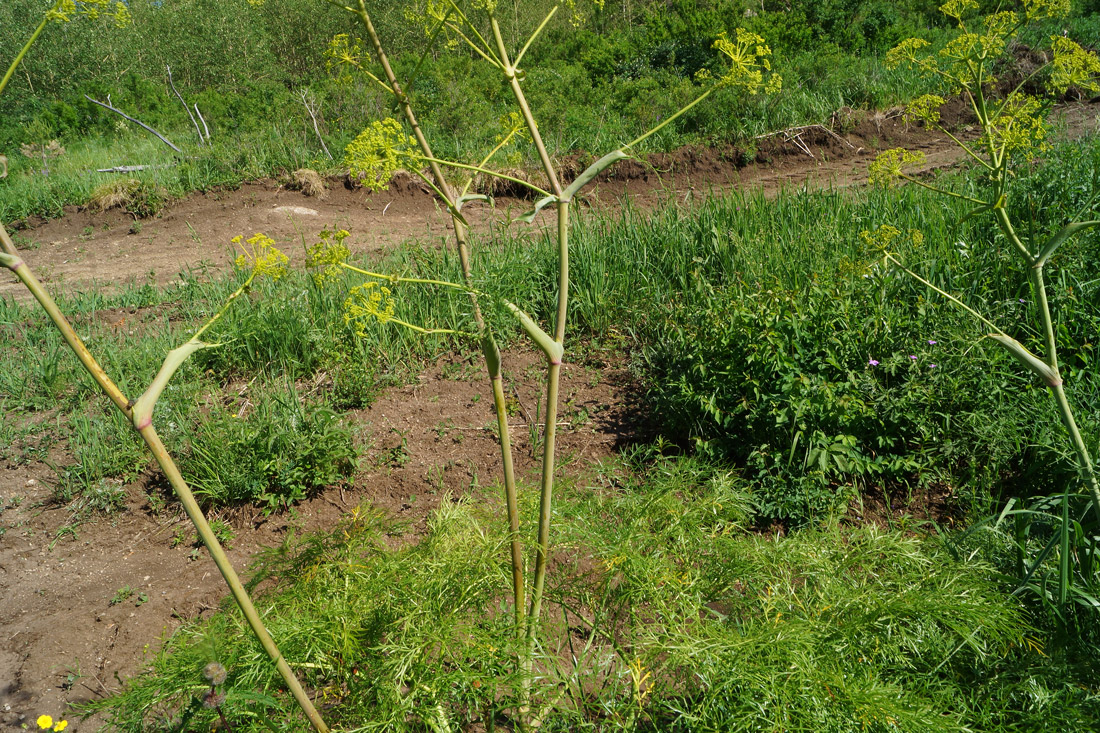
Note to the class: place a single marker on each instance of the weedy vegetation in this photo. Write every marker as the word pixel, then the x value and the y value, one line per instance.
pixel 804 357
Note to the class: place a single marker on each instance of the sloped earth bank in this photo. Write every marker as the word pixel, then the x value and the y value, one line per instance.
pixel 67 633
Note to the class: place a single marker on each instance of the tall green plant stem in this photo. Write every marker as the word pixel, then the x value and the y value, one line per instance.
pixel 553 373
pixel 15 263
pixel 1036 264
pixel 490 350
pixel 23 52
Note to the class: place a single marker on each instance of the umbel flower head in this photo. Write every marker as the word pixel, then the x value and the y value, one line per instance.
pixel 326 255
pixel 883 238
pixel 888 166
pixel 64 10
pixel 748 56
pixel 343 56
pixel 380 151
pixel 367 303
pixel 258 253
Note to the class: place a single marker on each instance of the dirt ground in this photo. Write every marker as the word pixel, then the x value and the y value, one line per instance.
pixel 69 630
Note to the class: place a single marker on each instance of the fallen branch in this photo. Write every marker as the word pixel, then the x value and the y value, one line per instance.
pixel 120 113
pixel 310 103
pixel 203 120
pixel 186 109
pixel 133 168
pixel 794 135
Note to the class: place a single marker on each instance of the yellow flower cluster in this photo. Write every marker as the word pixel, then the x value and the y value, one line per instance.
pixel 118 11
pixel 1037 9
pixel 366 303
pixel 326 255
pixel 258 253
pixel 925 108
pixel 887 167
pixel 748 55
pixel 886 235
pixel 1073 66
pixel 1019 127
pixel 45 722
pixel 958 8
pixel 379 152
pixel 906 52
pixel 344 54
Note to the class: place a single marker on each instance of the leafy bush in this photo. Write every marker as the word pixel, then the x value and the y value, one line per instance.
pixel 275 454
pixel 821 389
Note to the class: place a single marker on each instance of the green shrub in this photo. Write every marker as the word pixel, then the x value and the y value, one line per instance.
pixel 822 389
pixel 278 452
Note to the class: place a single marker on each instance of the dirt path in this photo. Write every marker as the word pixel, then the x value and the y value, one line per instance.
pixel 86 248
pixel 69 629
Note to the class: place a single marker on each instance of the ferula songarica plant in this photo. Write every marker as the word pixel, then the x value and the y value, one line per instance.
pixel 1012 131
pixel 388 145
pixel 259 258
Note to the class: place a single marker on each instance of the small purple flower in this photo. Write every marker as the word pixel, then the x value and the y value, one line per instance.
pixel 912 357
pixel 873 362
pixel 931 342
pixel 1022 300
pixel 931 366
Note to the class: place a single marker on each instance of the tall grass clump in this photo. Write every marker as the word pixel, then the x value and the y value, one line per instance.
pixel 664 614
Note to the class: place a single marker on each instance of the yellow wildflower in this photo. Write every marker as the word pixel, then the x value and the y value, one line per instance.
pixel 905 51
pixel 60 726
pixel 261 256
pixel 378 152
pixel 1073 66
pixel 366 303
pixel 61 12
pixel 925 108
pixel 1020 126
pixel 749 61
pixel 1036 9
pixel 328 253
pixel 888 166
pixel 957 8
pixel 342 55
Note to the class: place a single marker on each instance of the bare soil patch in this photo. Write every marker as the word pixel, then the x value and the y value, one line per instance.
pixel 87 248
pixel 63 641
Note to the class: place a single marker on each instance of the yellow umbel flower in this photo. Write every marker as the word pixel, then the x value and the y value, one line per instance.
pixel 887 167
pixel 327 254
pixel 343 55
pixel 1036 9
pixel 61 12
pixel 886 236
pixel 366 303
pixel 259 254
pixel 958 8
pixel 1073 66
pixel 907 52
pixel 378 152
pixel 1020 127
pixel 748 55
pixel 925 108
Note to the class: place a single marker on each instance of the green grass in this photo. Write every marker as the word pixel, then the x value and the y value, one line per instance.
pixel 657 582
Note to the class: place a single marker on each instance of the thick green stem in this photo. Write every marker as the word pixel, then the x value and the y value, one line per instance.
pixel 23 52
pixel 1085 465
pixel 240 595
pixel 552 381
pixel 492 363
pixel 493 355
pixel 525 109
pixel 148 433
